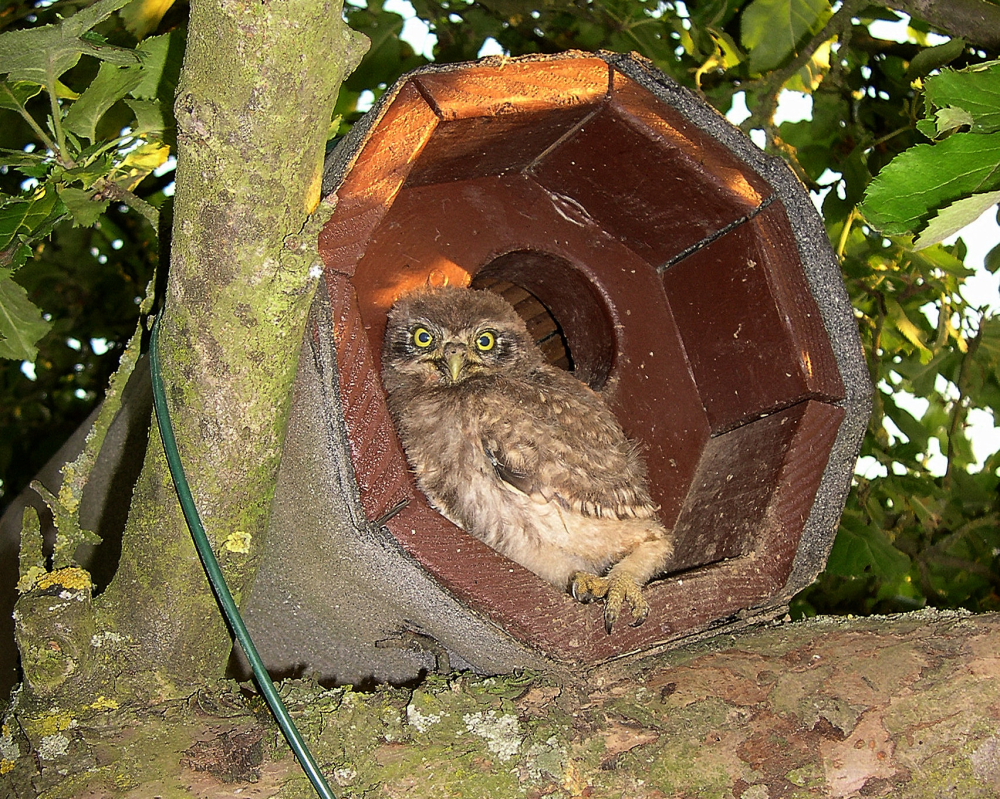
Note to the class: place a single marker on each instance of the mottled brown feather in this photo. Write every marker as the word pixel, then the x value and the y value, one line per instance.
pixel 514 450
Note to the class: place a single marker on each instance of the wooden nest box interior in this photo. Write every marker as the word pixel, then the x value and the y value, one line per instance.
pixel 662 258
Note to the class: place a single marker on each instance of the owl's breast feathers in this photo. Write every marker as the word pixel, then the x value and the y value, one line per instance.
pixel 568 448
pixel 547 436
pixel 519 453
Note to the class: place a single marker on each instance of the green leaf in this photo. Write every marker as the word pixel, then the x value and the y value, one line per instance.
pixel 64 92
pixel 992 260
pixel 111 85
pixel 14 94
pixel 19 158
pixel 21 322
pixel 23 217
pixel 161 67
pixel 771 29
pixel 150 117
pixel 81 204
pixel 15 256
pixel 808 79
pixel 989 348
pixel 976 90
pixel 930 176
pixel 951 118
pixel 933 258
pixel 861 548
pixel 931 58
pixel 901 322
pixel 143 160
pixel 42 54
pixel 88 174
pixel 903 591
pixel 928 128
pixel 952 218
pixel 141 16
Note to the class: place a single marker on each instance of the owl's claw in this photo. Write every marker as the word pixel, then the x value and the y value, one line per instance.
pixel 615 590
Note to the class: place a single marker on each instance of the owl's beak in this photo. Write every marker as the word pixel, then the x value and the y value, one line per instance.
pixel 456 365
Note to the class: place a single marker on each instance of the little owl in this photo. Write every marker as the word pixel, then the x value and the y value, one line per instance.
pixel 518 452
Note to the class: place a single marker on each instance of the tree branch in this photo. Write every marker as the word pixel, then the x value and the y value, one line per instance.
pixel 960 408
pixel 896 706
pixel 976 21
pixel 769 87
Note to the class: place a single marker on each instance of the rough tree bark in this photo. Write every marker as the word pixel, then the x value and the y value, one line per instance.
pixel 253 110
pixel 976 21
pixel 901 707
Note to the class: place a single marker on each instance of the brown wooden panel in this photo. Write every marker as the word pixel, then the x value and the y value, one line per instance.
pixel 377 174
pixel 792 294
pixel 492 145
pixel 715 165
pixel 454 230
pixel 752 330
pixel 653 193
pixel 522 603
pixel 500 86
pixel 724 514
pixel 379 464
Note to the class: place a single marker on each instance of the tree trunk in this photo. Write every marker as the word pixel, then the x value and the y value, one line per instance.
pixel 253 109
pixel 897 707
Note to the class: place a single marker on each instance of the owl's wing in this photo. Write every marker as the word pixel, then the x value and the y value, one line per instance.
pixel 519 480
pixel 565 446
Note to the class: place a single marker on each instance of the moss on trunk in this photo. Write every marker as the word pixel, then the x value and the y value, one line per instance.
pixel 258 86
pixel 253 110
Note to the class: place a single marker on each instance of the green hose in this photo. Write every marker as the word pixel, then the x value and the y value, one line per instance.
pixel 218 582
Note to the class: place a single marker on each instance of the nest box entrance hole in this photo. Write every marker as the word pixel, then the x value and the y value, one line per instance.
pixel 562 309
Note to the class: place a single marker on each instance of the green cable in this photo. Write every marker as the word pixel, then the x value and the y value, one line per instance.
pixel 218 581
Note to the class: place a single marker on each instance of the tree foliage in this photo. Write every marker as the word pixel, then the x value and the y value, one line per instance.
pixel 901 145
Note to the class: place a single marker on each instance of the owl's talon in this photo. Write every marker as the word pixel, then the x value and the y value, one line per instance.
pixel 610 617
pixel 587 587
pixel 616 590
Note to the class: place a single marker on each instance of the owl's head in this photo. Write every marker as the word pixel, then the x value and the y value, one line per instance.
pixel 449 335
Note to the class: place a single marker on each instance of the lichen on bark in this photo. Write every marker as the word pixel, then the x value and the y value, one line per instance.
pixel 900 707
pixel 256 95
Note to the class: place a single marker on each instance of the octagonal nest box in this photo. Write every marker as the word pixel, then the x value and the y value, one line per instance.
pixel 661 257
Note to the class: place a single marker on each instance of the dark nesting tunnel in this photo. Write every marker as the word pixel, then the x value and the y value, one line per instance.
pixel 565 314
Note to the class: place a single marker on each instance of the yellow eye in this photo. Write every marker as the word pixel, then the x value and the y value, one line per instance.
pixel 423 337
pixel 486 341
